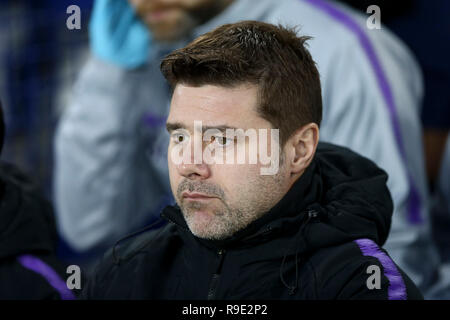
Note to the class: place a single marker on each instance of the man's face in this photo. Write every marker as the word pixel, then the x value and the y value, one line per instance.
pixel 219 199
pixel 169 20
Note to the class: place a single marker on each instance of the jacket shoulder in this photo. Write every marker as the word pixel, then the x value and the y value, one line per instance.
pixel 360 269
pixel 143 243
pixel 129 256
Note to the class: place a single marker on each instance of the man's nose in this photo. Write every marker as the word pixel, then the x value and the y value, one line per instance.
pixel 194 167
pixel 194 171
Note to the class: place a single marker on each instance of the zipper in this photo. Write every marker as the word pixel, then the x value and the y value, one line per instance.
pixel 216 276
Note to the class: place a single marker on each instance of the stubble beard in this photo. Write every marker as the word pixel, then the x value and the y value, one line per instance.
pixel 219 218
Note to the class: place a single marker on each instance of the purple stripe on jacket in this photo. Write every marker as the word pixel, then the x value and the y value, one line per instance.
pixel 414 201
pixel 397 288
pixel 35 264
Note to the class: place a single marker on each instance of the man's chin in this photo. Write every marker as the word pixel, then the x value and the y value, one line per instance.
pixel 199 218
pixel 207 235
pixel 201 222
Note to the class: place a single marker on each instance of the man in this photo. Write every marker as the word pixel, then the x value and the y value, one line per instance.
pixel 111 172
pixel 308 230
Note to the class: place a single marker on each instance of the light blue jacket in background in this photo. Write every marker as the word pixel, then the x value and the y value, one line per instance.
pixel 111 144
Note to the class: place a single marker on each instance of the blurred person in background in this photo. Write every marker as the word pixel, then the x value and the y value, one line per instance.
pixel 111 147
pixel 29 268
pixel 430 19
pixel 413 21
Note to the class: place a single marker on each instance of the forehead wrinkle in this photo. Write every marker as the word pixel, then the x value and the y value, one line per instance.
pixel 209 98
pixel 214 106
pixel 210 108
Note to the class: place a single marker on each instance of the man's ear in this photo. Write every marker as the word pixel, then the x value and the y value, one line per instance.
pixel 302 147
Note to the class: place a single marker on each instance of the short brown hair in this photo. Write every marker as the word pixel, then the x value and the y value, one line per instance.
pixel 272 57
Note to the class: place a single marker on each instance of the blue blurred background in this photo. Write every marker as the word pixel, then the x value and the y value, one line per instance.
pixel 39 60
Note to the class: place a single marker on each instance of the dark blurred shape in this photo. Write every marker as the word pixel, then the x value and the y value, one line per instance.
pixel 2 128
pixel 29 268
pixel 434 143
pixel 389 9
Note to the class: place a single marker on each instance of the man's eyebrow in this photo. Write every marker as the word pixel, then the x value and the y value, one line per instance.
pixel 222 128
pixel 171 126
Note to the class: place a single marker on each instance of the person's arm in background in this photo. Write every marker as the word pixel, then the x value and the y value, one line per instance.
pixel 102 183
pixel 357 116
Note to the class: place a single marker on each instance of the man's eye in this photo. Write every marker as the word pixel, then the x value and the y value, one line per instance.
pixel 179 137
pixel 222 141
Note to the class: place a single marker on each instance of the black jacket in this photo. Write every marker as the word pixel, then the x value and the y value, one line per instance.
pixel 29 268
pixel 316 243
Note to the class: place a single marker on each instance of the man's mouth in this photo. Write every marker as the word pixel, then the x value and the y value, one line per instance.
pixel 195 196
